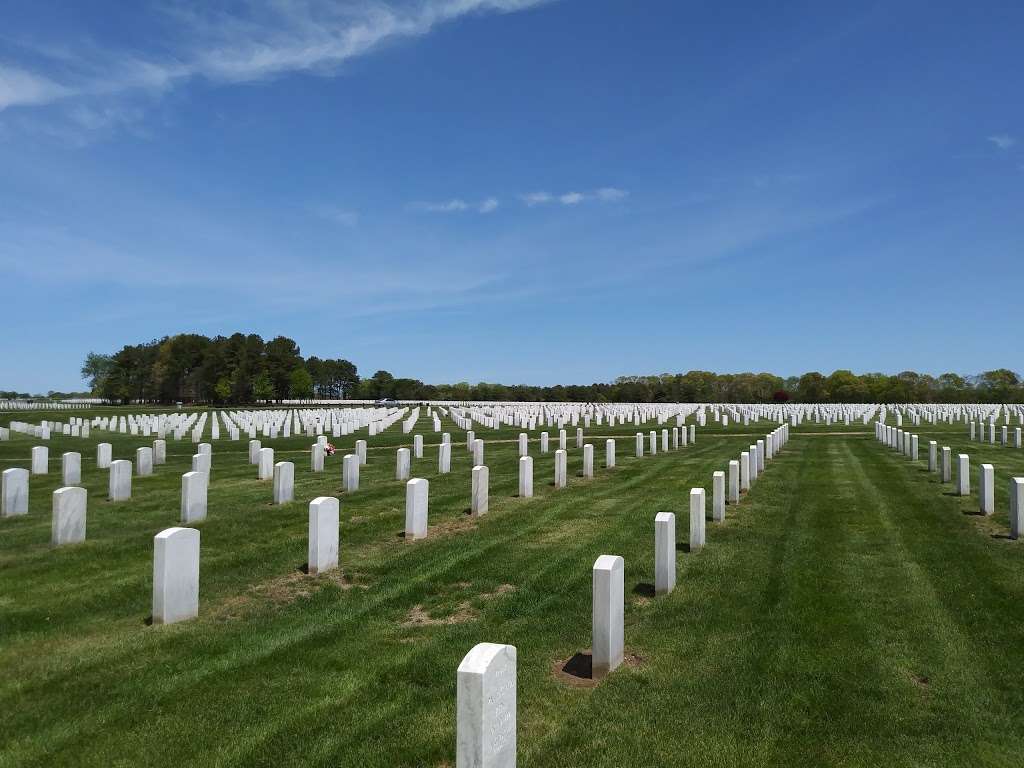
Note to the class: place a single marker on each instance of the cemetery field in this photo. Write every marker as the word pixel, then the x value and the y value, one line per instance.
pixel 849 610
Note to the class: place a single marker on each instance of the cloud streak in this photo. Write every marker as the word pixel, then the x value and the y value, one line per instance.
pixel 603 195
pixel 1002 141
pixel 458 205
pixel 269 39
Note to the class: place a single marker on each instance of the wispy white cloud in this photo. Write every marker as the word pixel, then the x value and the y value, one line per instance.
pixel 536 198
pixel 457 205
pixel 19 88
pixel 604 195
pixel 343 216
pixel 610 194
pixel 1002 141
pixel 259 40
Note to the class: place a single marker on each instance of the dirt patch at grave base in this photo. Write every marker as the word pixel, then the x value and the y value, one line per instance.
pixel 921 681
pixel 281 591
pixel 418 617
pixel 577 670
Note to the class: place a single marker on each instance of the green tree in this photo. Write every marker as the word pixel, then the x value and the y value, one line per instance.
pixel 95 369
pixel 263 387
pixel 300 383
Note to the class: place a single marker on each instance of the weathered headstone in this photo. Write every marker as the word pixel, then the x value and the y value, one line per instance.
pixel 14 494
pixel 40 460
pixel 120 485
pixel 266 464
pixel 68 526
pixel 718 497
pixel 963 475
pixel 144 461
pixel 664 553
pixel 525 477
pixel 403 464
pixel 175 575
pixel 159 452
pixel 734 482
pixel 444 458
pixel 480 490
pixel 71 468
pixel 486 708
pixel 609 453
pixel 560 468
pixel 350 472
pixel 284 482
pixel 324 516
pixel 416 497
pixel 104 452
pixel 608 615
pixel 194 486
pixel 986 489
pixel 698 516
pixel 1016 507
pixel 588 461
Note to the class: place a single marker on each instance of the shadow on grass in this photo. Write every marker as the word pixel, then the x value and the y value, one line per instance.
pixel 644 589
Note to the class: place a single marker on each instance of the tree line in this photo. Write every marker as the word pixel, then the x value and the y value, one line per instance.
pixel 241 369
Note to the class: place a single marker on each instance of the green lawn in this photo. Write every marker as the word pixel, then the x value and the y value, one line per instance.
pixel 850 611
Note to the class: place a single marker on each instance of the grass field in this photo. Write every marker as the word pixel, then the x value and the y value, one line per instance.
pixel 849 612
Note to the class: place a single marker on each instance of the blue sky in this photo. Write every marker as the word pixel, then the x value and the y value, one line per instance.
pixel 515 191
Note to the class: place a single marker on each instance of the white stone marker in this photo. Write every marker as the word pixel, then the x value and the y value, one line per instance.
pixel 480 490
pixel 361 451
pixel 284 482
pixel 693 434
pixel 194 487
pixel 933 456
pixel 734 482
pixel 316 458
pixel 416 494
pixel 588 461
pixel 561 439
pixel 653 442
pixel 324 528
pixel 14 494
pixel 986 489
pixel 609 453
pixel 963 475
pixel 254 451
pixel 68 526
pixel 524 448
pixel 485 698
pixel 579 437
pixel 914 448
pixel 664 553
pixel 947 462
pixel 175 575
pixel 350 472
pixel 698 515
pixel 608 615
pixel 544 442
pixel 478 452
pixel 40 460
pixel 403 464
pixel 104 451
pixel 639 445
pixel 144 461
pixel 560 471
pixel 444 458
pixel 470 437
pixel 160 452
pixel 745 471
pixel 1016 506
pixel 71 468
pixel 664 441
pixel 760 456
pixel 525 477
pixel 120 485
pixel 266 464
pixel 417 446
pixel 201 463
pixel 718 497
pixel 1017 438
